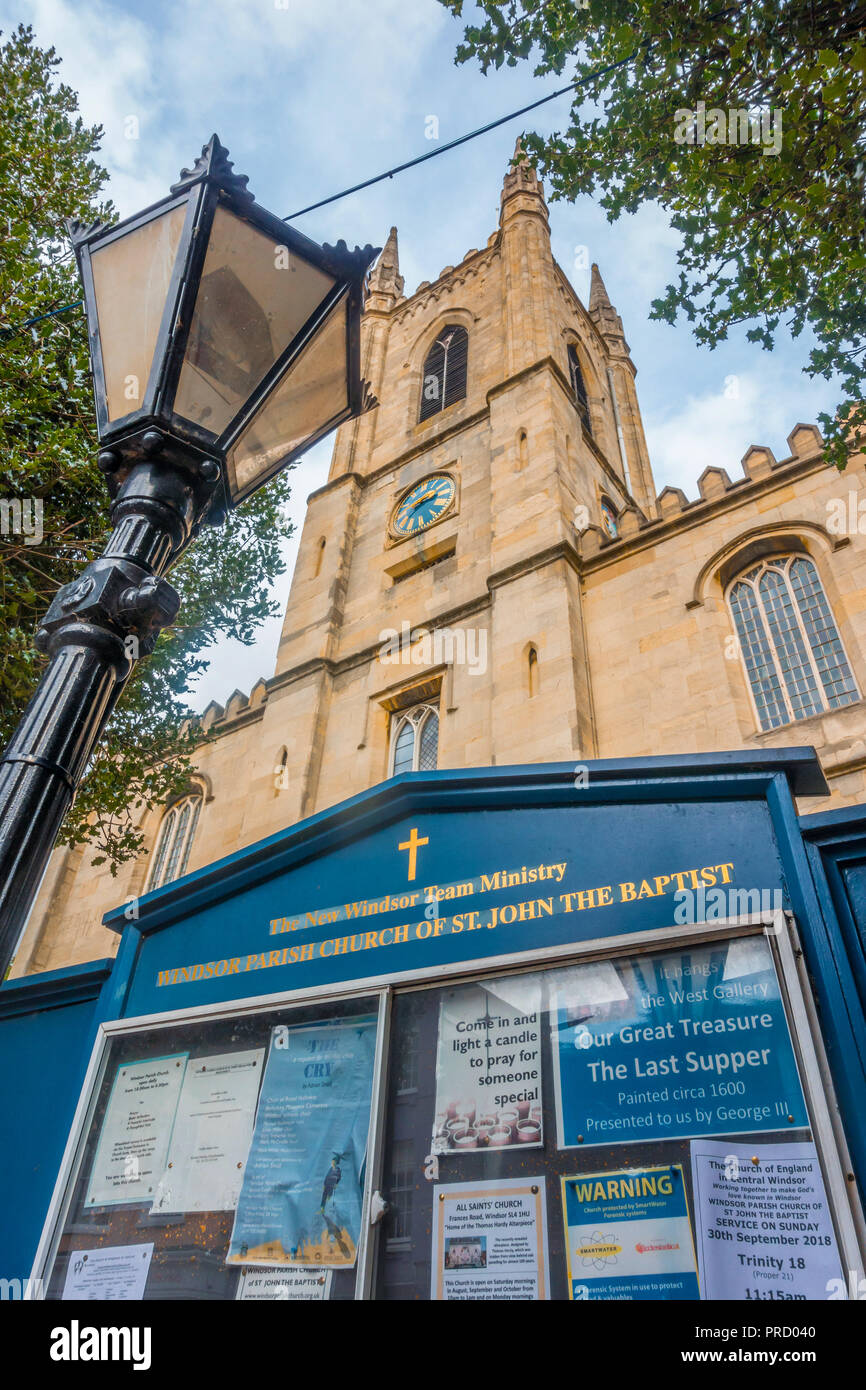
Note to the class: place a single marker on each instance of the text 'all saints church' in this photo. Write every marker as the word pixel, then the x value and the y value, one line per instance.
pixel 488 577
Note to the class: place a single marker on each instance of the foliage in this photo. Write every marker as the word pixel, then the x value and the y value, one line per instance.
pixel 774 241
pixel 48 173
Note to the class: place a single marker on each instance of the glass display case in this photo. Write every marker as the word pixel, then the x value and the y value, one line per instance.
pixel 639 1122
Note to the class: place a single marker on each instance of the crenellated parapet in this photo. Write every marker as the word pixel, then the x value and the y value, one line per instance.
pixel 716 490
pixel 239 708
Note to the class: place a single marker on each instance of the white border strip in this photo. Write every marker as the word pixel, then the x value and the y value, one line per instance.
pixel 815 1089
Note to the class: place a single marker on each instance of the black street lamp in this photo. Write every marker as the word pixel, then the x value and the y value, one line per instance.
pixel 223 344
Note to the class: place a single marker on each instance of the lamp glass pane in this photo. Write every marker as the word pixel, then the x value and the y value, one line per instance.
pixel 313 393
pixel 131 276
pixel 253 298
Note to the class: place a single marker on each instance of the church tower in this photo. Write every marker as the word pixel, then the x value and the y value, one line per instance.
pixel 487 578
pixel 436 585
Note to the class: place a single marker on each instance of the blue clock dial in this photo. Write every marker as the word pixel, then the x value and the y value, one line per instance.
pixel 427 502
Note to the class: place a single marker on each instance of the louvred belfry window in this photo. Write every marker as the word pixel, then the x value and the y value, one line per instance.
pixel 578 387
pixel 444 377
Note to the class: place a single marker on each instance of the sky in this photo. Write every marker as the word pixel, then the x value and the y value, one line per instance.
pixel 311 97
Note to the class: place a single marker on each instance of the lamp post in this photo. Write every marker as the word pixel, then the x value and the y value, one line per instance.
pixel 223 344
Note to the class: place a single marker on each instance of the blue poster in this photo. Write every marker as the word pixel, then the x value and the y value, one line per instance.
pixel 627 1235
pixel 676 1045
pixel 300 1203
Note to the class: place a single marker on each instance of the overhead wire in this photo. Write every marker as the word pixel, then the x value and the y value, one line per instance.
pixel 584 81
pixel 460 140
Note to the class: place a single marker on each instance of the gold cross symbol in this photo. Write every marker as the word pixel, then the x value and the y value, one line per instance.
pixel 413 844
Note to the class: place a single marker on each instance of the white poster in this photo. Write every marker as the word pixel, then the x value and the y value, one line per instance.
pixel 488 1068
pixel 490 1241
pixel 763 1228
pixel 112 1272
pixel 213 1127
pixel 130 1156
pixel 287 1285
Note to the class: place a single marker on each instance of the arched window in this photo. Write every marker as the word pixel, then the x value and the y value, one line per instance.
pixel 444 377
pixel 415 741
pixel 522 451
pixel 532 672
pixel 175 840
pixel 320 555
pixel 609 518
pixel 792 651
pixel 578 387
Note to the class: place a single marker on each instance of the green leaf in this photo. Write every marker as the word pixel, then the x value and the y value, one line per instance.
pixel 48 447
pixel 769 237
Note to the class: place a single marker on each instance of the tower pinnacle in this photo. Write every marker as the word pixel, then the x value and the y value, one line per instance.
pixel 385 277
pixel 604 315
pixel 521 176
pixel 598 295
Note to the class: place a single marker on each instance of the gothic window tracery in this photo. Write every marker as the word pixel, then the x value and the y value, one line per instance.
pixel 790 644
pixel 175 841
pixel 415 741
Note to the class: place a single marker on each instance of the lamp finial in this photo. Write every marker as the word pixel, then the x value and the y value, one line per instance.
pixel 214 166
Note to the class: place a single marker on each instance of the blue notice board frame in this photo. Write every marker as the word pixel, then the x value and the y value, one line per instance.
pixel 623 821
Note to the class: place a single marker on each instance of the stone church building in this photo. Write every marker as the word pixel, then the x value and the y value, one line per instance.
pixel 489 577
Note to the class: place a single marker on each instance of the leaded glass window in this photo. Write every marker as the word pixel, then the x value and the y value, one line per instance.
pixel 415 741
pixel 175 841
pixel 792 651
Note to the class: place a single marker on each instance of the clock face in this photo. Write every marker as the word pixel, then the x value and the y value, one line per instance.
pixel 427 502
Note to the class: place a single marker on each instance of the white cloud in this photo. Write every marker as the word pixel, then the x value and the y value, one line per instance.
pixel 759 405
pixel 315 95
pixel 109 59
pixel 280 85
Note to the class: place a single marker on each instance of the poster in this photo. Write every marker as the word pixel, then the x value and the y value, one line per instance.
pixel 300 1202
pixel 763 1229
pixel 674 1045
pixel 213 1126
pixel 488 1068
pixel 627 1235
pixel 113 1272
pixel 130 1156
pixel 284 1285
pixel 490 1241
